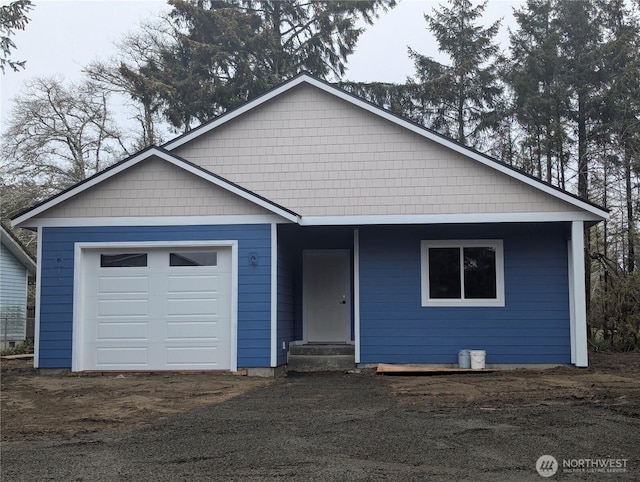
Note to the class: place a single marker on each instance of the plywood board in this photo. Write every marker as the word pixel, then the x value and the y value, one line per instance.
pixel 386 368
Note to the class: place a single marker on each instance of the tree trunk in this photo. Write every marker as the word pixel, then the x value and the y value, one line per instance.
pixel 549 158
pixel 583 167
pixel 631 250
pixel 461 136
pixel 583 188
pixel 538 155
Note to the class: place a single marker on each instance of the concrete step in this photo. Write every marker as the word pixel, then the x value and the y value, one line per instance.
pixel 322 349
pixel 313 363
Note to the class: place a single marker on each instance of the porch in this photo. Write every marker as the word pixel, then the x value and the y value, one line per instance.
pixel 315 297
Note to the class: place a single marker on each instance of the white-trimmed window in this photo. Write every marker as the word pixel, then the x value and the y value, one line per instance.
pixel 466 272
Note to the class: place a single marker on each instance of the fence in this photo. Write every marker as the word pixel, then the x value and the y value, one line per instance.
pixel 16 328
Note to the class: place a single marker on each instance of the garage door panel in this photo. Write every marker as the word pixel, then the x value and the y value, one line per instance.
pixel 184 330
pixel 159 317
pixel 123 308
pixel 116 357
pixel 205 283
pixel 192 355
pixel 122 331
pixel 192 306
pixel 123 285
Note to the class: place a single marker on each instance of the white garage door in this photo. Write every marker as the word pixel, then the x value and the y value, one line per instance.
pixel 156 309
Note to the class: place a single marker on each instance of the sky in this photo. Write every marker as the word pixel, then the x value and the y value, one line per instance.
pixel 64 35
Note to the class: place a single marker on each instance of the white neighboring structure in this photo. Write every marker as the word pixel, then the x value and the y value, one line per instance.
pixel 16 265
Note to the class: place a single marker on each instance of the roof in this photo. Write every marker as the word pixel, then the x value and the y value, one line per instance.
pixel 165 153
pixel 18 250
pixel 306 78
pixel 136 159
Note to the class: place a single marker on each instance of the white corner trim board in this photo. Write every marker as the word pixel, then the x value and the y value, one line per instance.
pixel 578 307
pixel 356 293
pixel 36 341
pixel 274 295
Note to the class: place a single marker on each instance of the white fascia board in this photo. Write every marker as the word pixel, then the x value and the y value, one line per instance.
pixel 159 220
pixel 448 218
pixel 16 249
pixel 166 157
pixel 330 89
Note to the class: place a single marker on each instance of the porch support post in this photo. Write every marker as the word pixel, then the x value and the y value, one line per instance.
pixel 577 296
pixel 356 293
pixel 274 295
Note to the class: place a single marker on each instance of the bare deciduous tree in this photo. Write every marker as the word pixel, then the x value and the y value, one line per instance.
pixel 59 134
pixel 130 73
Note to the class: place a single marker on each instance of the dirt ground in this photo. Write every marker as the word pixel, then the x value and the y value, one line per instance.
pixel 35 407
pixel 363 426
pixel 43 407
pixel 612 380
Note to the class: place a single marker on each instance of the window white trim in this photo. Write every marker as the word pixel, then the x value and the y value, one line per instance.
pixel 462 243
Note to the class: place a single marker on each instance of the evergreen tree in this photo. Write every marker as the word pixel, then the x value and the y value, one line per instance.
pixel 575 73
pixel 133 73
pixel 540 100
pixel 12 17
pixel 620 106
pixel 579 29
pixel 227 51
pixel 460 99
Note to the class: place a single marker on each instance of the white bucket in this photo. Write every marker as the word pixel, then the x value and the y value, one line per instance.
pixel 464 359
pixel 477 359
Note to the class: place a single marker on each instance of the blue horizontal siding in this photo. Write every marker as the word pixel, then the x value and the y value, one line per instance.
pixel 55 335
pixel 532 327
pixel 254 283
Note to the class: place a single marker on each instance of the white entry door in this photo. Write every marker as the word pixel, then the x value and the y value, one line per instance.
pixel 156 309
pixel 327 296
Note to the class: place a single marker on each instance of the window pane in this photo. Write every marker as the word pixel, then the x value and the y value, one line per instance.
pixel 200 258
pixel 444 273
pixel 479 273
pixel 124 260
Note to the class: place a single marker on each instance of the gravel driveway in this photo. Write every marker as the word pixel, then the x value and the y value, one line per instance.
pixel 339 427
